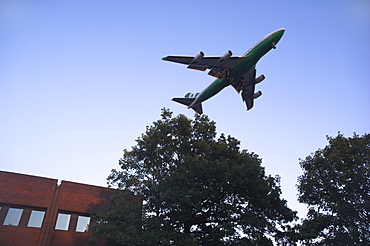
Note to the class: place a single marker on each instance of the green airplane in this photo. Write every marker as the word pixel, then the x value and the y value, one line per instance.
pixel 240 72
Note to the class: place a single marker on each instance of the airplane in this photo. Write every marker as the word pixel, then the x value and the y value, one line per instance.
pixel 240 72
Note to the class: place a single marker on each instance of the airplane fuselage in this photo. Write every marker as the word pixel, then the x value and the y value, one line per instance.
pixel 252 57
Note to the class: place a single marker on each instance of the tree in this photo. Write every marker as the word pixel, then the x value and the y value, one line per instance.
pixel 336 186
pixel 196 190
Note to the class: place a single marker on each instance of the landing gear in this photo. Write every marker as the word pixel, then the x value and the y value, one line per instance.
pixel 238 85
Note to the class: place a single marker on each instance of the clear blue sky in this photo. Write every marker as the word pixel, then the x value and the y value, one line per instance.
pixel 80 80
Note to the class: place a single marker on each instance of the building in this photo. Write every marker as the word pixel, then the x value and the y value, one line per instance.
pixel 37 211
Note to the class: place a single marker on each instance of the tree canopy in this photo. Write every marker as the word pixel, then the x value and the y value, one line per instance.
pixel 196 190
pixel 336 186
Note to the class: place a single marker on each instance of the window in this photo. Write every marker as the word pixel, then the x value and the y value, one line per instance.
pixel 63 221
pixel 82 223
pixel 13 216
pixel 72 221
pixel 36 219
pixel 23 217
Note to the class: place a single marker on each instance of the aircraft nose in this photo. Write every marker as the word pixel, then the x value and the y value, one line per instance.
pixel 279 33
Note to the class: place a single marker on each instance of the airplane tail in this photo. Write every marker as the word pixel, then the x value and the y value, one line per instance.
pixel 188 101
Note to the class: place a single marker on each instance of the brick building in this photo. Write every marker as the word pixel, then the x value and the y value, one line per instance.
pixel 42 211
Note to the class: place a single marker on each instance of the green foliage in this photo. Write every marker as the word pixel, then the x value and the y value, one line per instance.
pixel 196 190
pixel 336 186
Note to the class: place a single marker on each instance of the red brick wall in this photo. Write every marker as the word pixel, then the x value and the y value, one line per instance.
pixel 38 192
pixel 64 238
pixel 19 236
pixel 21 189
pixel 34 191
pixel 75 197
pixel 83 198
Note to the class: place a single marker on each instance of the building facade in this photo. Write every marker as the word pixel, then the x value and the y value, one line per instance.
pixel 37 211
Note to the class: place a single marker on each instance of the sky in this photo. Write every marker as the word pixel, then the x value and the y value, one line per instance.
pixel 81 80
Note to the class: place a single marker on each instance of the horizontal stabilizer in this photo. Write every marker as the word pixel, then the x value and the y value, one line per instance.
pixel 184 100
pixel 188 101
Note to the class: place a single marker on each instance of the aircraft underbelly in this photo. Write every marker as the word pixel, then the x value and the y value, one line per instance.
pixel 243 68
pixel 212 90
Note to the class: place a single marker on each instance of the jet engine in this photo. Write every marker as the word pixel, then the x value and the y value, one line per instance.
pixel 198 57
pixel 259 79
pixel 257 94
pixel 226 56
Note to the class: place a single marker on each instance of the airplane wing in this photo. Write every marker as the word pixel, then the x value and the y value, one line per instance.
pixel 246 84
pixel 208 62
pixel 248 95
pixel 247 79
